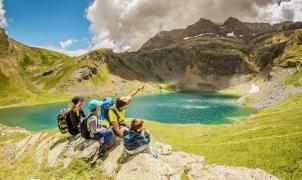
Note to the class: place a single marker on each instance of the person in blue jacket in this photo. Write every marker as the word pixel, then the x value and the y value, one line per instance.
pixel 137 139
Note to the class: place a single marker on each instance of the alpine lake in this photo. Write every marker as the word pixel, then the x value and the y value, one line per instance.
pixel 178 108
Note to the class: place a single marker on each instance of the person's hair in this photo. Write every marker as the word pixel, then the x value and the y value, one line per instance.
pixel 137 124
pixel 119 103
pixel 76 108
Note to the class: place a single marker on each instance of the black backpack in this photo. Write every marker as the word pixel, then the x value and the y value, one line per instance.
pixel 63 121
pixel 83 127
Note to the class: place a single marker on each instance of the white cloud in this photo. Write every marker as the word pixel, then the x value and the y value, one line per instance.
pixel 3 22
pixel 129 23
pixel 287 11
pixel 68 43
pixel 77 52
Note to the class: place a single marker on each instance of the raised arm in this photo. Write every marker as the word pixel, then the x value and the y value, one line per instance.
pixel 136 91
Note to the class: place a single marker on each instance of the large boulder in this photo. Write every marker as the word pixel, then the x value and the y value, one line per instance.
pixel 85 72
pixel 60 150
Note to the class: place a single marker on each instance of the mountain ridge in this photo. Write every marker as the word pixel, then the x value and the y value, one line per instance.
pixel 231 25
pixel 203 57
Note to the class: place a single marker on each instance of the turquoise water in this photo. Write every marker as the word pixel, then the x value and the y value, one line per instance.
pixel 182 108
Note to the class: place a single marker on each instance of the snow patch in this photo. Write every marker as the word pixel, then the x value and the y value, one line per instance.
pixel 186 38
pixel 231 34
pixel 254 89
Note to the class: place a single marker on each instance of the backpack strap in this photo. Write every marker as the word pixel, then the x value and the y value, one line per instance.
pixel 87 118
pixel 116 114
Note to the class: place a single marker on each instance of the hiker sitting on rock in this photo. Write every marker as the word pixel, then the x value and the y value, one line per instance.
pixel 137 139
pixel 96 131
pixel 116 114
pixel 75 114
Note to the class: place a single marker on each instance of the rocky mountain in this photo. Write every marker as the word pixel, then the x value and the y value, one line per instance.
pixel 231 27
pixel 208 56
pixel 205 56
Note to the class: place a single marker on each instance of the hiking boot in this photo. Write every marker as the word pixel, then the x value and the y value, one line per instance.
pixel 107 146
pixel 124 157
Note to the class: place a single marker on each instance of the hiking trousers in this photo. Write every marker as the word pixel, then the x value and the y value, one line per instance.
pixel 107 134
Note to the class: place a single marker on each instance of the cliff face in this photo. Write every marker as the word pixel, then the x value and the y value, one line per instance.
pixel 208 56
pixel 231 27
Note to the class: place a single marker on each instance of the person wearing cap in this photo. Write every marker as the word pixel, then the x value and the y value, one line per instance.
pixel 75 114
pixel 117 115
pixel 97 132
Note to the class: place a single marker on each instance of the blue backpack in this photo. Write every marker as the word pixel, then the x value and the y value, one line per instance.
pixel 108 103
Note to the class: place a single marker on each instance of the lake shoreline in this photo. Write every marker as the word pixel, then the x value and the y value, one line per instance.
pixel 169 108
pixel 34 103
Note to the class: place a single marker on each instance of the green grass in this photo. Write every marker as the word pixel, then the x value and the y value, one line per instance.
pixel 295 79
pixel 25 168
pixel 102 75
pixel 270 140
pixel 49 82
pixel 293 53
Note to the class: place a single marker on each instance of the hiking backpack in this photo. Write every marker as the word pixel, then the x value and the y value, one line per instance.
pixel 62 120
pixel 108 103
pixel 83 127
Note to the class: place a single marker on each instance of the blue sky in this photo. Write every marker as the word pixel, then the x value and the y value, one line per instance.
pixel 46 23
pixel 76 26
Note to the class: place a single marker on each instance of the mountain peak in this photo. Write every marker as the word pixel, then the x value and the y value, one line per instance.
pixel 232 20
pixel 200 27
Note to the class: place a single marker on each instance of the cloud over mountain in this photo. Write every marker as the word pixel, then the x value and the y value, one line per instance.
pixel 3 22
pixel 68 43
pixel 124 24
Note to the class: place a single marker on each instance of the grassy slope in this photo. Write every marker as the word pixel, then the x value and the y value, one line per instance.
pixel 271 140
pixel 18 67
pixel 25 168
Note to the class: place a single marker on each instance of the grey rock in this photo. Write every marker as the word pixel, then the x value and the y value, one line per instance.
pixel 160 148
pixel 219 172
pixel 110 165
pixel 66 162
pixel 242 99
pixel 27 145
pixel 89 152
pixel 168 165
pixel 143 166
pixel 54 153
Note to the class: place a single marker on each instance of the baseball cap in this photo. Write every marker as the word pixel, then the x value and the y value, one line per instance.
pixel 93 104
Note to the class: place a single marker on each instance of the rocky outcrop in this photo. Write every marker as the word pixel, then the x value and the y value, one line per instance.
pixel 163 39
pixel 59 151
pixel 203 26
pixel 85 72
pixel 273 91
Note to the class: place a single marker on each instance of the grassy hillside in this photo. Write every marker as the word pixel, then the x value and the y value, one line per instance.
pixel 18 64
pixel 270 140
